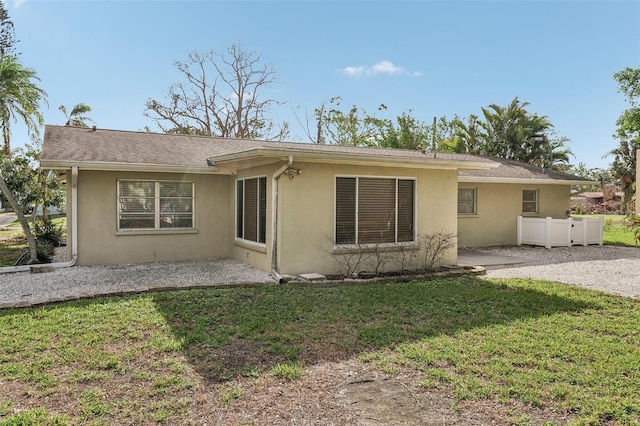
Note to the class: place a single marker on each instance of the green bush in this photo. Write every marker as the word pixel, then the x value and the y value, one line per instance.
pixel 47 236
pixel 632 222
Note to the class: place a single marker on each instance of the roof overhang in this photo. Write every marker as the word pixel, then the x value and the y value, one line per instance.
pixel 130 167
pixel 533 181
pixel 429 161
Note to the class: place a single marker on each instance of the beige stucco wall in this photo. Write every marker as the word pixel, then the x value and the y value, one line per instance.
pixel 99 241
pixel 306 218
pixel 498 207
pixel 304 231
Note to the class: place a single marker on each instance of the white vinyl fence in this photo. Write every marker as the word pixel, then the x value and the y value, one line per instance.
pixel 549 232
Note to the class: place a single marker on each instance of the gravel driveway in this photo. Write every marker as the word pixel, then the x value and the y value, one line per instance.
pixel 606 268
pixel 24 289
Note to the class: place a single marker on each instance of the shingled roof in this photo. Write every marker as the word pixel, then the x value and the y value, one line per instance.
pixel 66 146
pixel 511 171
pixel 101 149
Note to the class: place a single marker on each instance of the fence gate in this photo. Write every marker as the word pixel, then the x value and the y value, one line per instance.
pixel 549 232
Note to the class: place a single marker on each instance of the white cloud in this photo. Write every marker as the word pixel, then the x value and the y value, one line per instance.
pixel 17 3
pixel 385 67
pixel 355 72
pixel 382 67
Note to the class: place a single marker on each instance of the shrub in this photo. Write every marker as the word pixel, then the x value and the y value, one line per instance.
pixel 632 221
pixel 434 247
pixel 47 236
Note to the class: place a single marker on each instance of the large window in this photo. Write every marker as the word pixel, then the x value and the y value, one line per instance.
pixel 155 204
pixel 251 209
pixel 374 210
pixel 530 201
pixel 467 201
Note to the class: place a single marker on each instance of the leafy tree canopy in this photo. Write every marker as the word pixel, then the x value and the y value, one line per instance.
pixel 514 133
pixel 627 132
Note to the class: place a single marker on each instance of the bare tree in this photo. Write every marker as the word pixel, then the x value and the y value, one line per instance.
pixel 220 97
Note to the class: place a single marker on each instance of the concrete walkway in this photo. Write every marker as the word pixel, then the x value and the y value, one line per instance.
pixel 7 218
pixel 467 257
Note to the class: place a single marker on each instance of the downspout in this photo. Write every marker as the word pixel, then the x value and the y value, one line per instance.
pixel 74 234
pixel 274 220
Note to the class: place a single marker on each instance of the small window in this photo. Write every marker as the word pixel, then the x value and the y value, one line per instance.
pixel 530 201
pixel 374 210
pixel 155 205
pixel 467 201
pixel 251 209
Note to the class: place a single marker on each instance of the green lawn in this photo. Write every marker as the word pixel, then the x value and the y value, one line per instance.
pixel 615 230
pixel 145 358
pixel 13 242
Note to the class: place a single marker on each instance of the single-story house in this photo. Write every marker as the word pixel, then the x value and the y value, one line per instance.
pixel 286 207
pixel 491 200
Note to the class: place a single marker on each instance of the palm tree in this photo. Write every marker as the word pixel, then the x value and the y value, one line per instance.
pixel 19 97
pixel 468 138
pixel 623 167
pixel 76 116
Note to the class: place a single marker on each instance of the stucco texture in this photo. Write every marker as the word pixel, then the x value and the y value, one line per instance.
pixel 306 214
pixel 99 241
pixel 499 205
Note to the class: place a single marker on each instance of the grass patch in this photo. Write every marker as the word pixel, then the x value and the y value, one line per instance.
pixel 616 232
pixel 12 245
pixel 289 370
pixel 131 359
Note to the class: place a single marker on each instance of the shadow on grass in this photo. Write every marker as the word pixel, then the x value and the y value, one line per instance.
pixel 239 331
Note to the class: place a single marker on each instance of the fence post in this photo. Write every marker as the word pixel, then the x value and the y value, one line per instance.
pixel 519 236
pixel 547 233
pixel 600 232
pixel 571 223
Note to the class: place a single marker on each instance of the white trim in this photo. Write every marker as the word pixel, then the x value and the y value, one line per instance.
pixel 235 230
pixel 524 181
pixel 350 157
pixel 131 167
pixel 156 213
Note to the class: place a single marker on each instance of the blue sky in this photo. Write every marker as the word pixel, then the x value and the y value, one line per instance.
pixel 433 58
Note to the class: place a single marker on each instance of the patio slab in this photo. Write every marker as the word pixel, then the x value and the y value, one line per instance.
pixel 468 257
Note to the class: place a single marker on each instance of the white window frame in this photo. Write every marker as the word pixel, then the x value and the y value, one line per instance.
pixel 536 202
pixel 475 201
pixel 259 229
pixel 156 212
pixel 356 224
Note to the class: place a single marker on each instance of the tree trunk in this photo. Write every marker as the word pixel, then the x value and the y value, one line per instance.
pixel 33 252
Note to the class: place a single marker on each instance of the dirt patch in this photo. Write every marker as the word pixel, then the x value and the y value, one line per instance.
pixel 351 392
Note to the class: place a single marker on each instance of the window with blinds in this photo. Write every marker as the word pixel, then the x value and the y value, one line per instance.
pixel 373 210
pixel 155 204
pixel 251 209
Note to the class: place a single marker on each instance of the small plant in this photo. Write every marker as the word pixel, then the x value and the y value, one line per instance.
pixel 290 370
pixel 349 259
pixel 434 247
pixel 633 223
pixel 228 395
pixel 47 236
